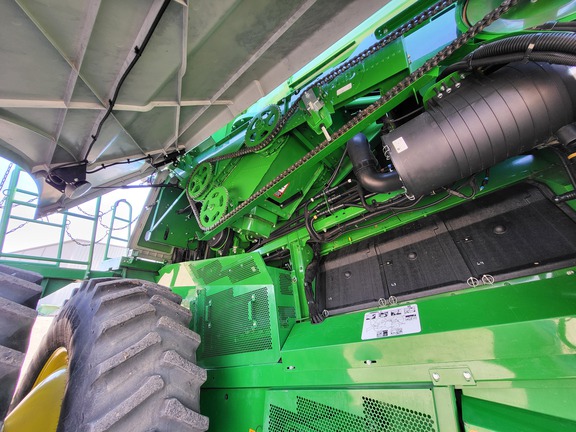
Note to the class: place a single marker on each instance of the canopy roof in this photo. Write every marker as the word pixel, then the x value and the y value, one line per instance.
pixel 206 62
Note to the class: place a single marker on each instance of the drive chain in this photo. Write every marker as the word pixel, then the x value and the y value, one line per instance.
pixel 443 54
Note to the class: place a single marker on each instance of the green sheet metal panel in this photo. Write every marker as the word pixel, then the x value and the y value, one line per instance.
pixel 350 410
pixel 240 315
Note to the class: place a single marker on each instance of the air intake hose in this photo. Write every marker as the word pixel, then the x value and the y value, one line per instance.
pixel 365 170
pixel 485 121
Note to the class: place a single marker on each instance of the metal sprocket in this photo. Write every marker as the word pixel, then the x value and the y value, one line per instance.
pixel 199 181
pixel 262 125
pixel 215 205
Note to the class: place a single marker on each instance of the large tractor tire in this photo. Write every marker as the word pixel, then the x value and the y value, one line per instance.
pixel 19 294
pixel 130 362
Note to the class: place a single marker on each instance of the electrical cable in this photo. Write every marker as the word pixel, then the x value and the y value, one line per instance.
pixel 127 161
pixel 138 51
pixel 338 167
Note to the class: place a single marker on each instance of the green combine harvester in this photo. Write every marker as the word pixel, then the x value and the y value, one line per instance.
pixel 362 214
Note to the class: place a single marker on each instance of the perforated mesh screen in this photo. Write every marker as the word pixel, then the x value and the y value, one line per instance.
pixel 284 314
pixel 210 272
pixel 243 271
pixel 237 324
pixel 378 416
pixel 285 284
pixel 394 418
pixel 214 271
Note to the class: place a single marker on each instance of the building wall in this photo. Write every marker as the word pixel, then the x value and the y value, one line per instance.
pixel 73 251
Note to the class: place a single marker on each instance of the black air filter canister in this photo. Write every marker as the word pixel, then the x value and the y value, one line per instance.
pixel 486 120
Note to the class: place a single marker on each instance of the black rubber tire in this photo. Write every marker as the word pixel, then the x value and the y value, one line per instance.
pixel 18 298
pixel 131 360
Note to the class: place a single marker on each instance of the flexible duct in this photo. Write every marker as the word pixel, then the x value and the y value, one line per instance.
pixel 365 170
pixel 485 121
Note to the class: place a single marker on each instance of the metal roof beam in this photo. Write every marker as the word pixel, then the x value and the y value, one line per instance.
pixel 144 28
pixel 181 72
pixel 84 38
pixel 253 59
pixel 61 104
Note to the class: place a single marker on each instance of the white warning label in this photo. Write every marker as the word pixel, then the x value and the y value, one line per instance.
pixel 391 322
pixel 400 145
pixel 343 89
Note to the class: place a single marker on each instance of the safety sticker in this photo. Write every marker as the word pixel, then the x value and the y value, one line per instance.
pixel 343 89
pixel 281 191
pixel 391 322
pixel 400 145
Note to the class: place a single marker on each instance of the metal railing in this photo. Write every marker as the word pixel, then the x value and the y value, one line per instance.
pixel 128 221
pixel 14 199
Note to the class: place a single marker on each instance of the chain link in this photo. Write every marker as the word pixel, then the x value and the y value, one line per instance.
pixel 394 91
pixel 389 38
pixel 6 175
pixel 22 225
pixel 78 242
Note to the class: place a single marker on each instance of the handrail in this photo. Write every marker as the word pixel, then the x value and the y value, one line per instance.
pixel 113 220
pixel 11 202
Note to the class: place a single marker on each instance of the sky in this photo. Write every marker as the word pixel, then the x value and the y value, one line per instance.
pixel 32 235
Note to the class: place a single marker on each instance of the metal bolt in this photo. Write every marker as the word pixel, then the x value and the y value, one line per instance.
pixel 570 272
pixel 467 375
pixel 436 376
pixel 291 367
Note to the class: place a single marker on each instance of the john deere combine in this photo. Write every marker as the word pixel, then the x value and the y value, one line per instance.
pixel 384 242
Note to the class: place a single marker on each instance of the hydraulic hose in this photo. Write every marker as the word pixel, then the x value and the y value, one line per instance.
pixel 365 167
pixel 557 48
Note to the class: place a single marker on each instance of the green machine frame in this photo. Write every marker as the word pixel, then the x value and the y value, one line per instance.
pixel 263 218
pixel 497 354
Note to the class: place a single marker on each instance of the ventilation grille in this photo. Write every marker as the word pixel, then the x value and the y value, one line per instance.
pixel 284 315
pixel 312 416
pixel 234 325
pixel 214 271
pixel 242 271
pixel 285 284
pixel 210 272
pixel 394 418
